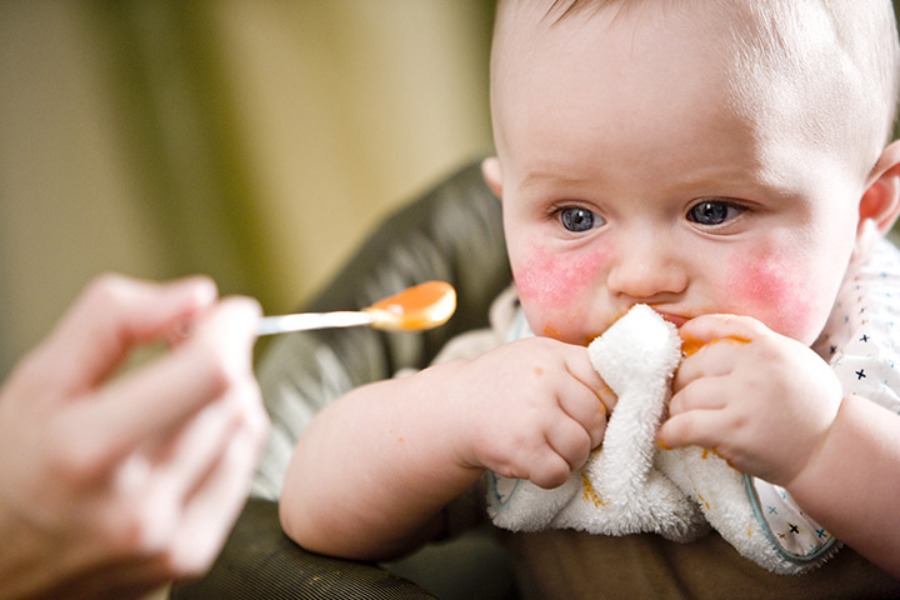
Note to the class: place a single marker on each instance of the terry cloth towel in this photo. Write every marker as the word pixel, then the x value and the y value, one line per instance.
pixel 629 485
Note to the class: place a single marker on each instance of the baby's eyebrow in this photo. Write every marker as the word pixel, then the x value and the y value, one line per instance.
pixel 539 178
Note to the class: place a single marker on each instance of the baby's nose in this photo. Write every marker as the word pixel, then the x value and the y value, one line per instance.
pixel 646 266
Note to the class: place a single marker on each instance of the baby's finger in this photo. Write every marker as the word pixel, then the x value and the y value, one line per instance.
pixel 547 469
pixel 586 408
pixel 571 441
pixel 693 428
pixel 706 329
pixel 702 394
pixel 718 358
pixel 578 364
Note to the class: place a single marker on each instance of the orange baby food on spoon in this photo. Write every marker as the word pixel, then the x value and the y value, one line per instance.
pixel 419 307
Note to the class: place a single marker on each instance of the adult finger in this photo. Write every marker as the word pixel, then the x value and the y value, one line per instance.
pixel 157 399
pixel 200 446
pixel 111 316
pixel 213 508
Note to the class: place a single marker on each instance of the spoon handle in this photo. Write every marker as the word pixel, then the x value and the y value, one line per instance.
pixel 307 321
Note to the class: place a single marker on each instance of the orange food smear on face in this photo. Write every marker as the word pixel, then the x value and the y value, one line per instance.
pixel 551 332
pixel 691 345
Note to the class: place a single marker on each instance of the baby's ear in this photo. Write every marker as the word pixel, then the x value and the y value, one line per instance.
pixel 880 203
pixel 493 175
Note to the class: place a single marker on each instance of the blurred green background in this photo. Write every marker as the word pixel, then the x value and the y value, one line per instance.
pixel 258 142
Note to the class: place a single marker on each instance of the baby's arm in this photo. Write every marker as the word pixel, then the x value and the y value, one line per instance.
pixel 371 474
pixel 774 409
pixel 852 483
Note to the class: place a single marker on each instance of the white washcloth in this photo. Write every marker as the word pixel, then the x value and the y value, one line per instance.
pixel 629 485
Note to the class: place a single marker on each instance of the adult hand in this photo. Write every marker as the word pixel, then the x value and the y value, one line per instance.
pixel 114 483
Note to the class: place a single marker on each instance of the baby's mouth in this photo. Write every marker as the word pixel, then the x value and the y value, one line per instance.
pixel 676 320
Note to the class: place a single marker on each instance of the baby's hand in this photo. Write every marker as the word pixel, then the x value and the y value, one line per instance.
pixel 763 401
pixel 535 410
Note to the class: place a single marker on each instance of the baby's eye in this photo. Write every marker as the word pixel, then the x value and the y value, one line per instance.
pixel 579 219
pixel 714 212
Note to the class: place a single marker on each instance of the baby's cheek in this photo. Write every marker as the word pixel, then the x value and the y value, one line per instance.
pixel 557 291
pixel 545 281
pixel 774 291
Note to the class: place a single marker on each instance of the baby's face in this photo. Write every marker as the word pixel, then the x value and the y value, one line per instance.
pixel 632 174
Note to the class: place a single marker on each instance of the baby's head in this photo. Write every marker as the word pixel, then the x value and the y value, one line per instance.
pixel 700 156
pixel 831 66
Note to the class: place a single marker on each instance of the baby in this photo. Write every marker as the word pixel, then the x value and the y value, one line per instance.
pixel 726 163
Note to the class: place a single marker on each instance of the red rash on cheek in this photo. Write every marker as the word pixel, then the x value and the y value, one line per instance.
pixel 771 290
pixel 551 280
pixel 542 279
pixel 554 284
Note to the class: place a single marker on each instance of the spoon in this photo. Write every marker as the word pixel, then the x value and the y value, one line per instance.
pixel 420 307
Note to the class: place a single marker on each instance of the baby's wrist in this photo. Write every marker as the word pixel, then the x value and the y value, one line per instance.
pixel 819 460
pixel 454 421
